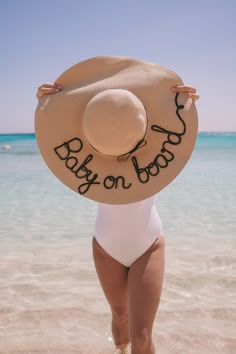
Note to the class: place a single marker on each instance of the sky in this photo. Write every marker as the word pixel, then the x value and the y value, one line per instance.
pixel 41 39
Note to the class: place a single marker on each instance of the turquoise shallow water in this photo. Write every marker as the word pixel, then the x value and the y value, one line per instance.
pixel 49 292
pixel 199 203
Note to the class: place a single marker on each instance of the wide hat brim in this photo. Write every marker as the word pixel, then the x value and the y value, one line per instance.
pixel 171 130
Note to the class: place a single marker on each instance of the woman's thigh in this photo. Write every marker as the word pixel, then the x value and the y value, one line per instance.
pixel 113 277
pixel 145 279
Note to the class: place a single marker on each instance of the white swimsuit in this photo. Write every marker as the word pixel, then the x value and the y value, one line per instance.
pixel 126 231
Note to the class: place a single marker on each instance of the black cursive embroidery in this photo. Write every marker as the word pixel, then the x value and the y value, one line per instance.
pixel 111 182
pixel 162 159
pixel 68 152
pixel 139 145
pixel 64 151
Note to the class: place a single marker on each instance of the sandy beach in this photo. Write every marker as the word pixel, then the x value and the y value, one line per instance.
pixel 51 302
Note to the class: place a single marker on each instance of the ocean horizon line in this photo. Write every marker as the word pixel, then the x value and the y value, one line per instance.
pixel 207 132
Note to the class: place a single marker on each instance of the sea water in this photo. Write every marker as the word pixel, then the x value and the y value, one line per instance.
pixel 50 298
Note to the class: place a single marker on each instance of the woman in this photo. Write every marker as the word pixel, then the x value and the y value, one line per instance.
pixel 132 276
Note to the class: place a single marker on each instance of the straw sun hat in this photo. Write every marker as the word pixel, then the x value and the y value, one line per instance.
pixel 116 133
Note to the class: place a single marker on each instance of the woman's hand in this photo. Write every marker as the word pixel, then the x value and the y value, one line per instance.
pixel 48 89
pixel 191 91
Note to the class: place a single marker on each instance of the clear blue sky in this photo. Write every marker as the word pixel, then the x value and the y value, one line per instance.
pixel 40 39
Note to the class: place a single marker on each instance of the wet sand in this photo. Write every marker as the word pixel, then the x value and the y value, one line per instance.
pixel 51 302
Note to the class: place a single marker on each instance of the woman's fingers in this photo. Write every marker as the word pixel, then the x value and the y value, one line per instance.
pixel 191 91
pixel 47 89
pixel 194 96
pixel 184 88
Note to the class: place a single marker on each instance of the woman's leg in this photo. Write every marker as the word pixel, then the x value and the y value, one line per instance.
pixel 113 277
pixel 145 279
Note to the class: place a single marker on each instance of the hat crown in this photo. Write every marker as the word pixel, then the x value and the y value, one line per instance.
pixel 114 121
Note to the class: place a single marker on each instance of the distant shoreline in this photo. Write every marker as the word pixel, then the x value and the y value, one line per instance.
pixel 4 134
pixel 199 133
